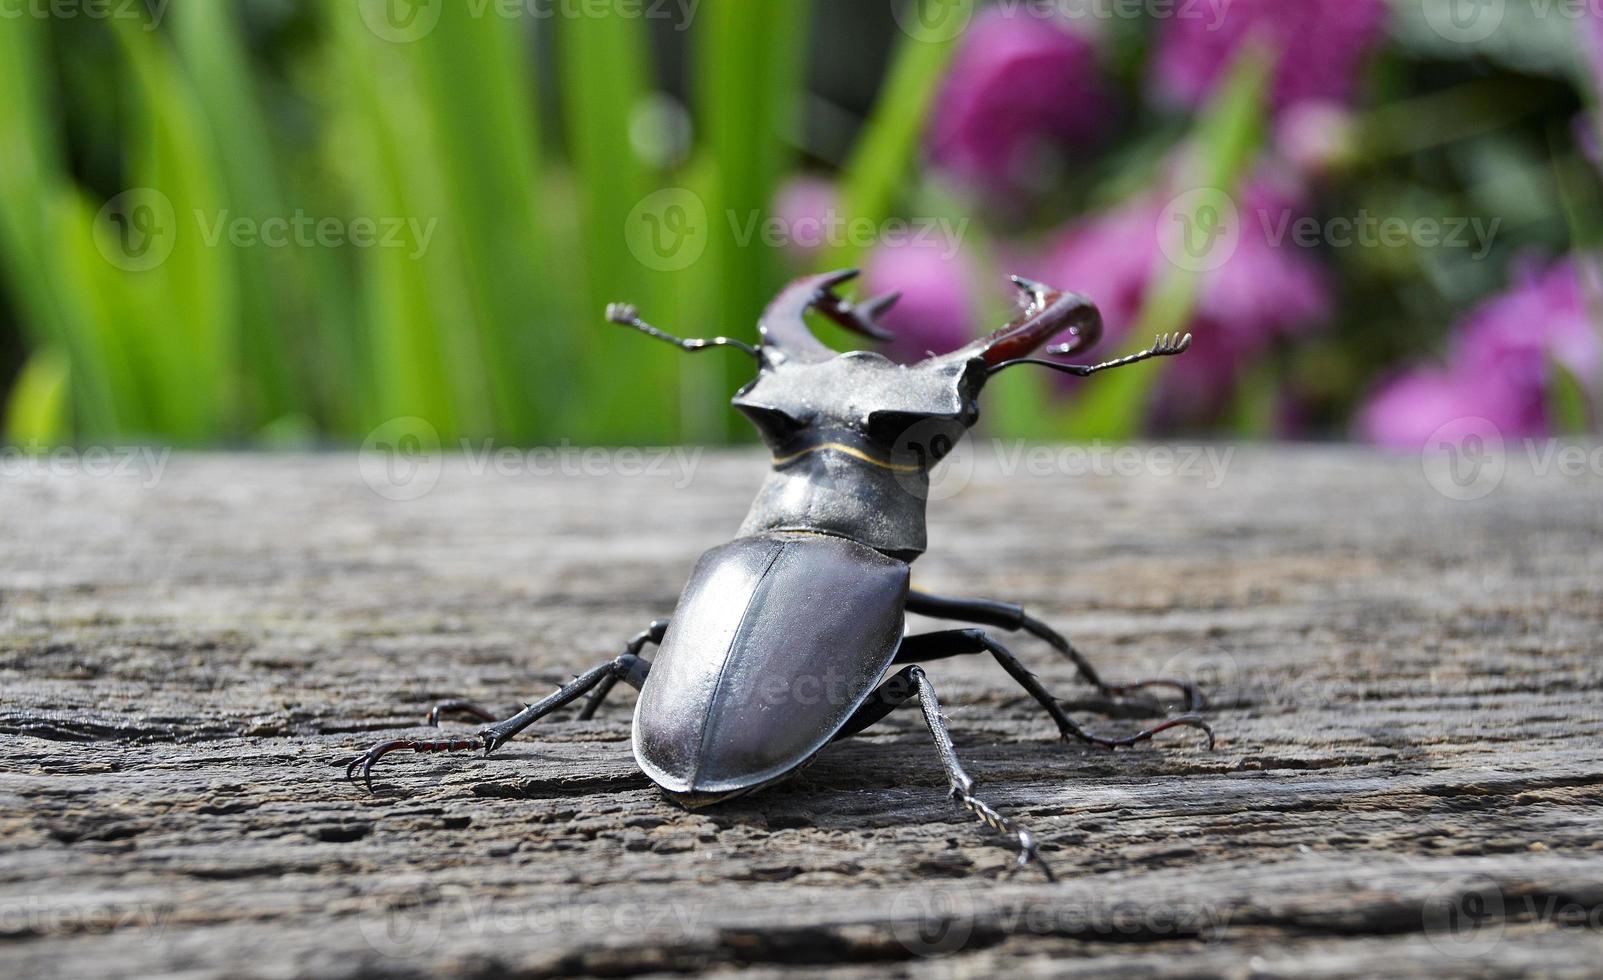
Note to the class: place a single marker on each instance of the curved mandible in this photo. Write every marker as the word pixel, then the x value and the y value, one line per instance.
pixel 784 325
pixel 1047 313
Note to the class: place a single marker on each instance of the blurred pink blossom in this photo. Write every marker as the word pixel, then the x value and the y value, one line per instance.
pixel 1320 45
pixel 807 208
pixel 1499 365
pixel 937 311
pixel 1317 136
pixel 1019 84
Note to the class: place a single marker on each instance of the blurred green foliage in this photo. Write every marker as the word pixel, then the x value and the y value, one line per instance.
pixel 516 173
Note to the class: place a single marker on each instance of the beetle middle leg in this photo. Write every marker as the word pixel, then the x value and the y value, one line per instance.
pixel 630 668
pixel 652 635
pixel 912 682
pixel 957 643
pixel 1012 617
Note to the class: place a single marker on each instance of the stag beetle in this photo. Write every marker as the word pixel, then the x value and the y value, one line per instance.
pixel 811 595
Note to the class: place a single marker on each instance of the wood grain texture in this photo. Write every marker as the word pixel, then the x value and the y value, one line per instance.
pixel 1405 687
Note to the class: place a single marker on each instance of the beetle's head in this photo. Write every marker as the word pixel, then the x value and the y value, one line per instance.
pixel 807 395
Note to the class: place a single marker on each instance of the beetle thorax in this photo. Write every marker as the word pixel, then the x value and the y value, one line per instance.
pixel 854 438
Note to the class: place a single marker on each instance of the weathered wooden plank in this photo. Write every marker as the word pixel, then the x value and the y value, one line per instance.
pixel 1405 688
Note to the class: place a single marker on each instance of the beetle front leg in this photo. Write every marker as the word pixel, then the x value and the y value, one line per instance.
pixel 1011 616
pixel 629 668
pixel 652 634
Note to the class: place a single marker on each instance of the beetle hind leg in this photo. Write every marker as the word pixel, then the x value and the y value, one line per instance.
pixel 1012 617
pixel 913 682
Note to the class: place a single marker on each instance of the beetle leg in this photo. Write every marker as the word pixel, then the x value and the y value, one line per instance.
pixel 461 706
pixel 954 643
pixel 629 668
pixel 1012 617
pixel 652 634
pixel 912 682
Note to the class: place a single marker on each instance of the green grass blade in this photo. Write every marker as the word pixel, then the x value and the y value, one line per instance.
pixel 889 143
pixel 37 412
pixel 1222 152
pixel 627 387
pixel 481 96
pixel 208 38
pixel 750 82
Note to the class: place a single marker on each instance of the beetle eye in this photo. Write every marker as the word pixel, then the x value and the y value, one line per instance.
pixel 773 422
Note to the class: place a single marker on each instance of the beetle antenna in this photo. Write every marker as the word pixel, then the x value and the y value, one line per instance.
pixel 626 315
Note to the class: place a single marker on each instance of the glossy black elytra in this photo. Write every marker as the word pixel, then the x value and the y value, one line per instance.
pixel 782 638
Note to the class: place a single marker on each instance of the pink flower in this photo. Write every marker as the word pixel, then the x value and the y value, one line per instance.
pixel 937 312
pixel 1320 46
pixel 1316 136
pixel 1019 85
pixel 808 209
pixel 1404 411
pixel 1500 363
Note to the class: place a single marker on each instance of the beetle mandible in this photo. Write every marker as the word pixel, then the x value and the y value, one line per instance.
pixel 815 587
